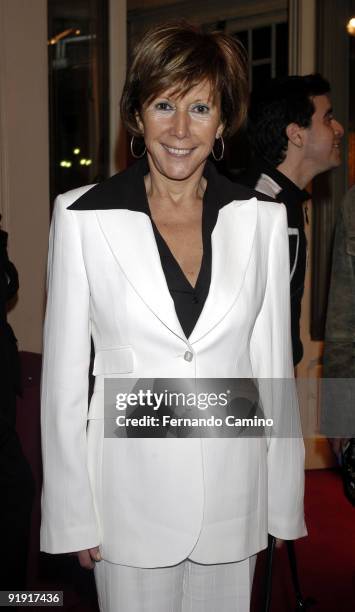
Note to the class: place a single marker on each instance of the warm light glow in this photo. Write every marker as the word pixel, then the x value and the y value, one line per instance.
pixel 76 151
pixel 61 35
pixel 82 162
pixel 88 162
pixel 65 164
pixel 351 26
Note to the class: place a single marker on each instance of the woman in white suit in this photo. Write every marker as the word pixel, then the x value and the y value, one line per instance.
pixel 174 272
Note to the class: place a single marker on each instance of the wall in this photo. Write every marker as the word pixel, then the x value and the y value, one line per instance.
pixel 24 163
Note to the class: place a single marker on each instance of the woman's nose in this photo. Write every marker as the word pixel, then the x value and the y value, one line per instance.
pixel 181 124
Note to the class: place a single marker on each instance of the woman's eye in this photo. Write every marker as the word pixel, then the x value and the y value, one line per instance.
pixel 164 106
pixel 201 109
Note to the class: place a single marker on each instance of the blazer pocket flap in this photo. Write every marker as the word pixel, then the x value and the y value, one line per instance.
pixel 113 361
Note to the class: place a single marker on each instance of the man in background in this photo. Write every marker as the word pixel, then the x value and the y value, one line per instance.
pixel 293 136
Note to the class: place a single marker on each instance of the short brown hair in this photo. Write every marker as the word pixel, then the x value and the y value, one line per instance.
pixel 178 54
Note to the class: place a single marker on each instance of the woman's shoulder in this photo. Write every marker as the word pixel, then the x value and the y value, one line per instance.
pixel 271 209
pixel 104 193
pixel 68 198
pixel 124 190
pixel 272 218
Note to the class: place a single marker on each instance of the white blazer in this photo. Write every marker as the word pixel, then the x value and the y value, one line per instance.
pixel 155 502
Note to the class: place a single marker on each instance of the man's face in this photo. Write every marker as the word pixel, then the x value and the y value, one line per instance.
pixel 322 138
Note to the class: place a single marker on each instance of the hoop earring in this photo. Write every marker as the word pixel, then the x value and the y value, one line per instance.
pixel 222 151
pixel 135 154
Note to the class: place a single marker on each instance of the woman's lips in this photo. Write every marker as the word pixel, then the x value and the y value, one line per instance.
pixel 176 151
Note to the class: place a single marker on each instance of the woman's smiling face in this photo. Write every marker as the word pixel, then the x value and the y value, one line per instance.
pixel 180 131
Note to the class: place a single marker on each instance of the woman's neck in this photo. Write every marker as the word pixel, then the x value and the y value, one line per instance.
pixel 182 193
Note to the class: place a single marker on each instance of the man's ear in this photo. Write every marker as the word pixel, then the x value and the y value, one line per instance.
pixel 295 134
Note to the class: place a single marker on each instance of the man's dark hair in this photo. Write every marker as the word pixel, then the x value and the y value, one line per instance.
pixel 277 104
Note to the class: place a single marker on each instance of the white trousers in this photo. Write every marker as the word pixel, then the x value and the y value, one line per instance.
pixel 186 587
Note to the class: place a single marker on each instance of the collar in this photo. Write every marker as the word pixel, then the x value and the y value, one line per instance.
pixel 126 190
pixel 289 189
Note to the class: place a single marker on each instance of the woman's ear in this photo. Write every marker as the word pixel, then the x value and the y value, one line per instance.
pixel 139 122
pixel 220 130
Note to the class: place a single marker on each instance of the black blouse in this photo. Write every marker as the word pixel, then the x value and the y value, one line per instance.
pixel 189 300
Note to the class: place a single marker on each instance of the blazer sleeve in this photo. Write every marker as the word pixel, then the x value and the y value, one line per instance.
pixel 68 517
pixel 271 354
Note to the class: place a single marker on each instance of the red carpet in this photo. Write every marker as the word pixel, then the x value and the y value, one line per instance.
pixel 326 558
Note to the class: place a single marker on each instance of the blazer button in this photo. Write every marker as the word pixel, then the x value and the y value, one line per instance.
pixel 188 356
